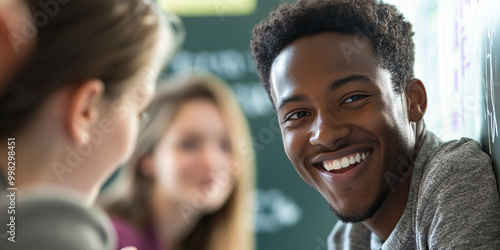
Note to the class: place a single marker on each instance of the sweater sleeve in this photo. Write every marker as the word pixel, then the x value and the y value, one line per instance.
pixel 462 208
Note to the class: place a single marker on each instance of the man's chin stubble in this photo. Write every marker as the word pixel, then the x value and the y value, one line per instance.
pixel 361 214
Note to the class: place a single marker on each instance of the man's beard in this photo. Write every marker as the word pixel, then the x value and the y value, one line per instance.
pixel 360 214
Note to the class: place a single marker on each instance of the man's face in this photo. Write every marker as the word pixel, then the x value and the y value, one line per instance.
pixel 333 103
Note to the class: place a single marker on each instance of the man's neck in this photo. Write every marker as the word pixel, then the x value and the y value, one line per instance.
pixel 388 215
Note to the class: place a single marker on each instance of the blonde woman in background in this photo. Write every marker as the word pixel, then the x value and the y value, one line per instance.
pixel 188 185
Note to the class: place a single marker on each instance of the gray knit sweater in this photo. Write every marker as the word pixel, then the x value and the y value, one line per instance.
pixel 453 203
pixel 53 219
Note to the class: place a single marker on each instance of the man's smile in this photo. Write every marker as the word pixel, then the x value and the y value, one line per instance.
pixel 342 166
pixel 345 163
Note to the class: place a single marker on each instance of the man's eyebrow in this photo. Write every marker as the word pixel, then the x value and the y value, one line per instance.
pixel 294 98
pixel 341 82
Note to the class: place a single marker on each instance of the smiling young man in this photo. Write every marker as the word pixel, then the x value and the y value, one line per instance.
pixel 340 75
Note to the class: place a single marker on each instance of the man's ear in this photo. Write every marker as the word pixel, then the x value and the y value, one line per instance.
pixel 146 166
pixel 83 109
pixel 417 100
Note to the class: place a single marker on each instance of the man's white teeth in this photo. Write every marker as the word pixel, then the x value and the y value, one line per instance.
pixel 336 165
pixel 363 156
pixel 345 162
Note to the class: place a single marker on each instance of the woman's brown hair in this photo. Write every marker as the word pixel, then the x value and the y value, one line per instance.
pixel 77 40
pixel 229 228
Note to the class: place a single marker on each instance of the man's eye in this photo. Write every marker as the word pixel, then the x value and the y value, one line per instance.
pixel 298 115
pixel 354 98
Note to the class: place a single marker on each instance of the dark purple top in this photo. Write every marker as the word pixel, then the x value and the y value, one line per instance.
pixel 129 236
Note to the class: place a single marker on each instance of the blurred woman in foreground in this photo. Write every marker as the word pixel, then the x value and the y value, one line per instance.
pixel 188 185
pixel 69 116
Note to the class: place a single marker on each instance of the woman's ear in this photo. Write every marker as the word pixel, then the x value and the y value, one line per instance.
pixel 417 100
pixel 146 166
pixel 83 109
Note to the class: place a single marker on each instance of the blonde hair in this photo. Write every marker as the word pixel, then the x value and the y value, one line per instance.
pixel 229 228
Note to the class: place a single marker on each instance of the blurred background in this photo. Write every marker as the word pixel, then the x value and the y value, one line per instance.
pixel 457 50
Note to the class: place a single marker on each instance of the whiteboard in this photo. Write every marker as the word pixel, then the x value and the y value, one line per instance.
pixel 457 47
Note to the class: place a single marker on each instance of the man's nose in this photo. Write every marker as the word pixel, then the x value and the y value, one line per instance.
pixel 327 129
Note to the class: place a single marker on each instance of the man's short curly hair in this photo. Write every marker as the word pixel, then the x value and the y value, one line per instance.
pixel 390 35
